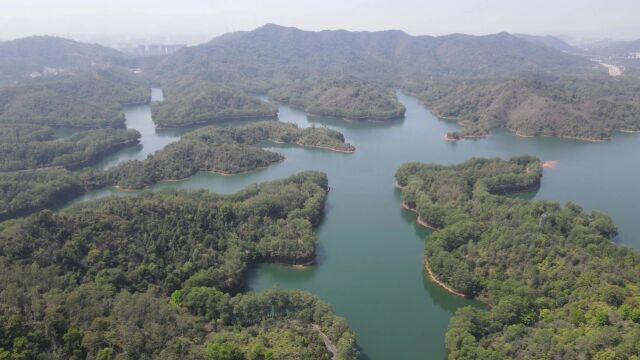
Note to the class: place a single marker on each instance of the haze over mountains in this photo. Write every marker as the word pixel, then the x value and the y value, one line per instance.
pixel 365 53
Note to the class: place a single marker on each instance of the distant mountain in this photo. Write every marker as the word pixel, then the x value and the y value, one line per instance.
pixel 41 56
pixel 550 41
pixel 256 59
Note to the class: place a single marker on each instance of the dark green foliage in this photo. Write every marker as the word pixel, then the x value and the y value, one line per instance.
pixel 558 286
pixel 27 191
pixel 202 102
pixel 75 151
pixel 585 107
pixel 86 100
pixel 148 276
pixel 344 98
pixel 223 150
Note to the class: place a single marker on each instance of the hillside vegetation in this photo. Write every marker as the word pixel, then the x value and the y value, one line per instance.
pixel 76 151
pixel 86 100
pixel 590 108
pixel 154 276
pixel 342 98
pixel 274 55
pixel 24 192
pixel 202 102
pixel 557 285
pixel 45 56
pixel 223 150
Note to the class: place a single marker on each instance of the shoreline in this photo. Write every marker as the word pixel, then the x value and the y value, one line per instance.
pixel 217 120
pixel 561 137
pixel 441 284
pixel 315 147
pixel 427 267
pixel 419 220
pixel 222 173
pixel 344 118
pixel 124 189
pixel 328 148
pixel 304 265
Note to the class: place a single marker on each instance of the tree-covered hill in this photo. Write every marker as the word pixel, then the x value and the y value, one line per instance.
pixel 558 287
pixel 25 192
pixel 44 56
pixel 273 54
pixel 154 276
pixel 86 100
pixel 76 151
pixel 344 98
pixel 587 107
pixel 203 102
pixel 530 85
pixel 223 150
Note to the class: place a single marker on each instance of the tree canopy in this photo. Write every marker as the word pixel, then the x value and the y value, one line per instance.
pixel 557 285
pixel 154 276
pixel 343 98
pixel 203 102
pixel 73 152
pixel 229 150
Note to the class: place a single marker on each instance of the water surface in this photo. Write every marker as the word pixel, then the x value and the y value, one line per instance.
pixel 370 251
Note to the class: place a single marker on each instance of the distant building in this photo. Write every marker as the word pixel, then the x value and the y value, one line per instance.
pixel 155 49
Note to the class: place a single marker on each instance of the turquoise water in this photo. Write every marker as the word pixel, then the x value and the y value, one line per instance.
pixel 370 251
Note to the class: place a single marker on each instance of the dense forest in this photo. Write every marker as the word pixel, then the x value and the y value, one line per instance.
pixel 78 150
pixel 91 99
pixel 24 192
pixel 229 150
pixel 587 107
pixel 343 98
pixel 203 102
pixel 273 55
pixel 154 276
pixel 557 286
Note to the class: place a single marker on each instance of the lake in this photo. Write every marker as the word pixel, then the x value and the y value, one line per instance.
pixel 370 252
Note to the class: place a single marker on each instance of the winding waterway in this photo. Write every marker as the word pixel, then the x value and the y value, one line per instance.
pixel 369 264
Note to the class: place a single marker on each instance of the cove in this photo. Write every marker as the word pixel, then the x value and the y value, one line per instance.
pixel 370 251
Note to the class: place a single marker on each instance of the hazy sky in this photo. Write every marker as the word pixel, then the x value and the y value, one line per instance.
pixel 597 18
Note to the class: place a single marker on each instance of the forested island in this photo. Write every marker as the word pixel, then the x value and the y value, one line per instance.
pixel 587 107
pixel 557 286
pixel 76 151
pixel 227 151
pixel 349 98
pixel 156 276
pixel 198 102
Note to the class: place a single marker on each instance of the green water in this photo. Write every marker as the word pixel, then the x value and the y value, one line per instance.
pixel 370 251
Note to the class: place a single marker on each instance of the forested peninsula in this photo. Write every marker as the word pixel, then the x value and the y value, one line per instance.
pixel 25 192
pixel 557 286
pixel 349 98
pixel 228 150
pixel 196 102
pixel 89 100
pixel 587 107
pixel 23 149
pixel 156 276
